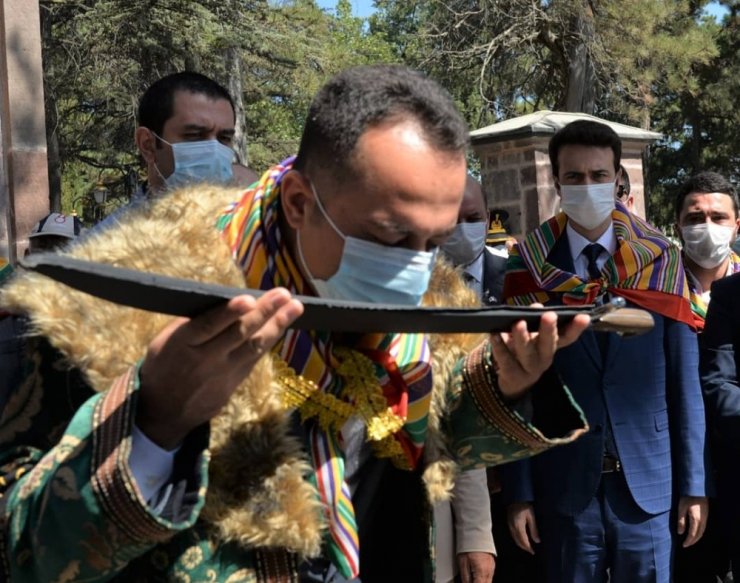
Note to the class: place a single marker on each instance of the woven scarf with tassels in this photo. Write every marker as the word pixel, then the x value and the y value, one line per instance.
pixel 385 380
pixel 646 269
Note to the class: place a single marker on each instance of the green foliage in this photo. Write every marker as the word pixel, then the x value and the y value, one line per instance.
pixel 99 56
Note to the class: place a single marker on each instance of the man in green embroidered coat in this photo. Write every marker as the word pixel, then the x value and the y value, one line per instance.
pixel 231 447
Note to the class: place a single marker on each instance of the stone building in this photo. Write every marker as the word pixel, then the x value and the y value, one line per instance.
pixel 24 184
pixel 515 166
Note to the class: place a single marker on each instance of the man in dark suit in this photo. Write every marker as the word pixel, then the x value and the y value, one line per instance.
pixel 720 355
pixel 603 505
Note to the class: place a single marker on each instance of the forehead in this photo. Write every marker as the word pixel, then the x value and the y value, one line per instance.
pixel 473 198
pixel 404 177
pixel 580 158
pixel 707 202
pixel 197 109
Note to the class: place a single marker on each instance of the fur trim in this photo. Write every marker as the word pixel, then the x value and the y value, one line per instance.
pixel 447 288
pixel 257 494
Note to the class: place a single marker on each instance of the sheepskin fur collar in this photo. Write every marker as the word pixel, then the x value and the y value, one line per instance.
pixel 257 493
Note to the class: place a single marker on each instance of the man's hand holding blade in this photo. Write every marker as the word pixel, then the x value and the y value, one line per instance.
pixel 194 365
pixel 522 356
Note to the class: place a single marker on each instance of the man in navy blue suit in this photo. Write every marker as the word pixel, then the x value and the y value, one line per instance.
pixel 720 356
pixel 602 506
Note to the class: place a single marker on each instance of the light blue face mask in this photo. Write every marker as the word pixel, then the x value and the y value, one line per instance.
pixel 466 242
pixel 196 162
pixel 370 272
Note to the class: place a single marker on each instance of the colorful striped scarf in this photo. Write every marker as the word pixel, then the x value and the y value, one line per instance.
pixel 646 269
pixel 384 379
pixel 698 304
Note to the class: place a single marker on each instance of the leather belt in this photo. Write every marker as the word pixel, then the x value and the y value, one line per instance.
pixel 610 464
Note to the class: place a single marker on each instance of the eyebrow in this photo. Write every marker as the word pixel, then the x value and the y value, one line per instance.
pixel 202 128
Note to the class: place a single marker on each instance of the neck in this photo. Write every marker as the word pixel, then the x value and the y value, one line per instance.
pixel 706 277
pixel 592 234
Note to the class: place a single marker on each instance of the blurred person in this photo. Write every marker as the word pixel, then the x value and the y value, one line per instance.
pixel 464 536
pixel 624 189
pixel 54 231
pixel 720 354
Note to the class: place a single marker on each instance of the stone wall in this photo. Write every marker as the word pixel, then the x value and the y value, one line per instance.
pixel 24 190
pixel 517 177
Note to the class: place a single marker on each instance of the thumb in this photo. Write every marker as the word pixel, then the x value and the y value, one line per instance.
pixel 533 529
pixel 682 523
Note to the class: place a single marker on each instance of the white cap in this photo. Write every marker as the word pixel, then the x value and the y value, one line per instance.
pixel 58 225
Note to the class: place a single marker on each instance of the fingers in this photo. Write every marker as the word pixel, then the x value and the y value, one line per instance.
pixel 263 339
pixel 573 330
pixel 692 537
pixel 533 532
pixel 210 324
pixel 247 317
pixel 521 520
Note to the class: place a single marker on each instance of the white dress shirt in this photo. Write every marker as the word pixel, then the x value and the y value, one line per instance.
pixel 578 243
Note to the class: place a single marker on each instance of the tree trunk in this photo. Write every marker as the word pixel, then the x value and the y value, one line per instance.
pixel 234 70
pixel 580 91
pixel 53 158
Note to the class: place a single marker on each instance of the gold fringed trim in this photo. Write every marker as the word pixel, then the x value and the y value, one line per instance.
pixel 361 395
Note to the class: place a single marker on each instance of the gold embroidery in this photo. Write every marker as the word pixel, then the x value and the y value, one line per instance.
pixel 361 395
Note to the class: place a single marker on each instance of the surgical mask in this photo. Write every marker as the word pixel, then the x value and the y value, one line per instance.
pixel 196 162
pixel 466 242
pixel 707 244
pixel 589 205
pixel 370 272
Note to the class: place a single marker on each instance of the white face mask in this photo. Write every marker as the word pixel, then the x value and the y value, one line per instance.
pixel 588 205
pixel 707 244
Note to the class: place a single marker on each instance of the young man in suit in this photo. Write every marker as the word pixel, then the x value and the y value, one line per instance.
pixel 603 505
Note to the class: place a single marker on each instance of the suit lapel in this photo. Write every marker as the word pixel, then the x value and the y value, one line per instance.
pixel 560 258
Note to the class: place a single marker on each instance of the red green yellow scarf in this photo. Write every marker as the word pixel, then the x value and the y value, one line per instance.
pixel 385 379
pixel 698 304
pixel 646 269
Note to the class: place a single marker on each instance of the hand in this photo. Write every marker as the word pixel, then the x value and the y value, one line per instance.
pixel 522 525
pixel 476 567
pixel 522 356
pixel 193 366
pixel 695 510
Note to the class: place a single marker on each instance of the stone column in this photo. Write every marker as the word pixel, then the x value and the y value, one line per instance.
pixel 24 184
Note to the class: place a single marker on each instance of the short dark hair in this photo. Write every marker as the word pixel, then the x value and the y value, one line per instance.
pixel 706 182
pixel 367 96
pixel 157 103
pixel 585 132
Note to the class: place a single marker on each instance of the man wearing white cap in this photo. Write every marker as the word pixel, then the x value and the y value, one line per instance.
pixel 53 231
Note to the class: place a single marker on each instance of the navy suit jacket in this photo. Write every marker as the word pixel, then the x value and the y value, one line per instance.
pixel 720 357
pixel 648 388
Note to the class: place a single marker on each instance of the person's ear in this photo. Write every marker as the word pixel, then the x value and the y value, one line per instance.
pixel 677 231
pixel 296 198
pixel 557 185
pixel 146 143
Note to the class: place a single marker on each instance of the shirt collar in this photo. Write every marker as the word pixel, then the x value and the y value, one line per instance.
pixel 578 242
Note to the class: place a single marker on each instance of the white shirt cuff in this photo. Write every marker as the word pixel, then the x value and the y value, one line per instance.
pixel 150 465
